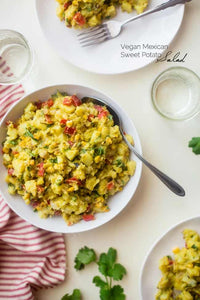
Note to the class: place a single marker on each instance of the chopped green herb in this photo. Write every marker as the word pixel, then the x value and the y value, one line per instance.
pixel 99 151
pixel 197 264
pixel 110 117
pixel 195 145
pixel 194 247
pixel 28 133
pixel 49 125
pixel 83 151
pixel 119 163
pixel 74 198
pixel 54 160
pixel 14 142
pixel 58 181
pixel 35 210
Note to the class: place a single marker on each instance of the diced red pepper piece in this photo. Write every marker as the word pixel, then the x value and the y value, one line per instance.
pixel 70 143
pixel 50 102
pixel 99 108
pixel 74 180
pixel 63 121
pixel 58 213
pixel 44 103
pixel 40 189
pixel 41 169
pixel 10 171
pixel 68 101
pixel 67 4
pixel 34 204
pixel 48 119
pixel 76 101
pixel 38 104
pixel 70 130
pixel 15 152
pixel 90 117
pixel 79 19
pixel 102 114
pixel 110 185
pixel 9 122
pixel 87 217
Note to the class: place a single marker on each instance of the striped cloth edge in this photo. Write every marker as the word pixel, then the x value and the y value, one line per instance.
pixel 30 258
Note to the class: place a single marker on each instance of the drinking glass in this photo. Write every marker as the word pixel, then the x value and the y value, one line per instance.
pixel 176 93
pixel 16 57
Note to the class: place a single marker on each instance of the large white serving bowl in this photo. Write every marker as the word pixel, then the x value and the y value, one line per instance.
pixel 57 224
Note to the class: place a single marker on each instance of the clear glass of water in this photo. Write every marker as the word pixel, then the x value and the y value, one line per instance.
pixel 16 57
pixel 176 93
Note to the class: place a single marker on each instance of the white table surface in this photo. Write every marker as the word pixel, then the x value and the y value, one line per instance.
pixel 154 209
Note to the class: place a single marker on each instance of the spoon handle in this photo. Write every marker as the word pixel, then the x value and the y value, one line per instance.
pixel 170 183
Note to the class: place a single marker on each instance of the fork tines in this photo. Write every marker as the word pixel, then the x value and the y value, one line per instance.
pixel 94 35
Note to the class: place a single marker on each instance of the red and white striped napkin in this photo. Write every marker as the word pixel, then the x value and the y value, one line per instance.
pixel 30 258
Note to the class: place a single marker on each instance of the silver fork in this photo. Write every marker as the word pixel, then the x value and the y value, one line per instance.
pixel 112 29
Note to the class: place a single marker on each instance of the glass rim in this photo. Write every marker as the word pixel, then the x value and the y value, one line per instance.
pixel 31 57
pixel 154 88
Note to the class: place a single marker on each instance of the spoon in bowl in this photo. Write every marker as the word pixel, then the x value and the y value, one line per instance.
pixel 170 183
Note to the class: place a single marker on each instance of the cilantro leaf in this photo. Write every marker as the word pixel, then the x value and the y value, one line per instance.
pixel 78 265
pixel 117 293
pixel 195 145
pixel 28 133
pixel 84 257
pixel 194 247
pixel 105 294
pixel 76 295
pixel 99 282
pixel 103 265
pixel 111 256
pixel 106 262
pixel 118 272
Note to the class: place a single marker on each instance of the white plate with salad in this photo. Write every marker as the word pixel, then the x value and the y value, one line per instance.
pixel 140 43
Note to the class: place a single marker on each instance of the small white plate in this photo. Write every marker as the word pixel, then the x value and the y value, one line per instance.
pixel 116 203
pixel 109 58
pixel 150 274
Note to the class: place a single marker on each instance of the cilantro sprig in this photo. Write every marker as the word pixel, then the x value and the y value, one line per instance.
pixel 111 271
pixel 76 295
pixel 195 145
pixel 108 267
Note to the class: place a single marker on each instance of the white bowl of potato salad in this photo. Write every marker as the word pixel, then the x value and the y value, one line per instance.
pixel 65 166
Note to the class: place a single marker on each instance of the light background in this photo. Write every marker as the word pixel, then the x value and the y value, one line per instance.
pixel 154 208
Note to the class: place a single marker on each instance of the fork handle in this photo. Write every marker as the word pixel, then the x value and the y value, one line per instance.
pixel 160 7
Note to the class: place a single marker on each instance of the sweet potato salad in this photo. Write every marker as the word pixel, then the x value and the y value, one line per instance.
pixel 65 157
pixel 89 13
